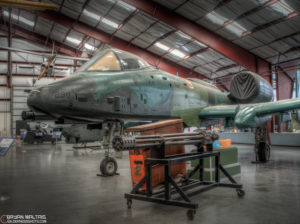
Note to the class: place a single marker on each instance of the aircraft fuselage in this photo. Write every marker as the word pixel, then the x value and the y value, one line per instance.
pixel 137 95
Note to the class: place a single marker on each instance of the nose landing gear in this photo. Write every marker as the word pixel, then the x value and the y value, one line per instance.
pixel 109 166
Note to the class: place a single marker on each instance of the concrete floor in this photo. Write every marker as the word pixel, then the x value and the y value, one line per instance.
pixel 62 184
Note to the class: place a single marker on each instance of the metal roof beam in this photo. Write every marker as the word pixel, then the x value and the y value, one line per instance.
pixel 36 63
pixel 219 5
pixel 284 72
pixel 227 67
pixel 272 23
pixel 205 36
pixel 115 42
pixel 34 37
pixel 250 12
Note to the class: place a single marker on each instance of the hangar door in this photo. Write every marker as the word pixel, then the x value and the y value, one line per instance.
pixel 19 104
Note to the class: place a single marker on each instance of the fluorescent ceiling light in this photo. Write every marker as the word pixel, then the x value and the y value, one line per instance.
pixel 282 8
pixel 110 23
pixel 98 18
pixel 199 44
pixel 26 21
pixel 73 40
pixel 178 53
pixel 183 35
pixel 20 18
pixel 89 47
pixel 91 14
pixel 162 46
pixel 6 14
pixel 126 6
pixel 216 18
pixel 231 26
pixel 236 28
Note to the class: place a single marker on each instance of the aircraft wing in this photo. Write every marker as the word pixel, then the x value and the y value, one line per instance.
pixel 250 115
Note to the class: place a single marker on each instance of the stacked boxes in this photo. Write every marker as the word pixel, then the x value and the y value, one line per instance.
pixel 228 159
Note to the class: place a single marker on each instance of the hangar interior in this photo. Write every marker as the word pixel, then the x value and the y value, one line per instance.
pixel 209 40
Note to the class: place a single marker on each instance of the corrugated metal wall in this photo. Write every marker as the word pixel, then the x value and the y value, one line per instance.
pixel 24 67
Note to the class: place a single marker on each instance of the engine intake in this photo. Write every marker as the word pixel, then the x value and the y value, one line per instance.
pixel 248 87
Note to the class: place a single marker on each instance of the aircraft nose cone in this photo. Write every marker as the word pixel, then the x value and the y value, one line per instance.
pixel 38 99
pixel 34 99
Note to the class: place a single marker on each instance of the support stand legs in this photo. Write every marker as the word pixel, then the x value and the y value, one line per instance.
pixel 177 194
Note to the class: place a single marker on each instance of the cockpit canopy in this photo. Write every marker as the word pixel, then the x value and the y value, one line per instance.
pixel 114 60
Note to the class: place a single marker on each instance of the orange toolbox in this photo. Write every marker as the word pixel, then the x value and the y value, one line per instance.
pixel 137 157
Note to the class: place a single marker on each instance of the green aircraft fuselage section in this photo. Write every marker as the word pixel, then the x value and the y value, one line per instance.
pixel 136 94
pixel 116 85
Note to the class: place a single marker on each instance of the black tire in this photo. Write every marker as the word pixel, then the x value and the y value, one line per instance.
pixel 263 152
pixel 240 192
pixel 108 166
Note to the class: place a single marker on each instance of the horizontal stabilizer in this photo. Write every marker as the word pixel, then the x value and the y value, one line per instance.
pixel 250 115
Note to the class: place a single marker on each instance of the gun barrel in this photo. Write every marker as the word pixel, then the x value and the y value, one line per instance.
pixel 123 143
pixel 33 116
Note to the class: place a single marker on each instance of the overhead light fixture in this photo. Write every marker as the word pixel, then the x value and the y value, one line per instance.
pixel 282 8
pixel 110 23
pixel 178 53
pixel 20 18
pixel 99 18
pixel 126 6
pixel 89 47
pixel 236 28
pixel 91 14
pixel 26 21
pixel 216 18
pixel 162 46
pixel 73 40
pixel 183 35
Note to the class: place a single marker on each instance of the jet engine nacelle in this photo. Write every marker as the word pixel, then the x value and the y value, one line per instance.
pixel 248 87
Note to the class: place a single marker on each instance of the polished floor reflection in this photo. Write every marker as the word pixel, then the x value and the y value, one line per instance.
pixel 62 184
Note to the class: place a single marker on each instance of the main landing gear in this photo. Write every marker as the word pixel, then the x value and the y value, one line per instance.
pixel 262 148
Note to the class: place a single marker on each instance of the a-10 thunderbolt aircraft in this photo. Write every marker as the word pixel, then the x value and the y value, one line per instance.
pixel 117 86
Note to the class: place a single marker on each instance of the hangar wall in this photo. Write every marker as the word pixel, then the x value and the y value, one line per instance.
pixel 25 68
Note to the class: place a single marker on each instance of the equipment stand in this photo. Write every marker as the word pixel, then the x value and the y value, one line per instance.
pixel 182 188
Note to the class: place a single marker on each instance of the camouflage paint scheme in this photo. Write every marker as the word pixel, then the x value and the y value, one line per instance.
pixel 141 94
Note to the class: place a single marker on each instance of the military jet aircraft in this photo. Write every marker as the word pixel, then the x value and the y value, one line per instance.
pixel 115 86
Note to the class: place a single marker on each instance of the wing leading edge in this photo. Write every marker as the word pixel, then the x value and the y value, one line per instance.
pixel 249 115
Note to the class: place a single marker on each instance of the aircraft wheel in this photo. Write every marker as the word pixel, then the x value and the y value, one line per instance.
pixel 108 166
pixel 240 192
pixel 191 214
pixel 263 152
